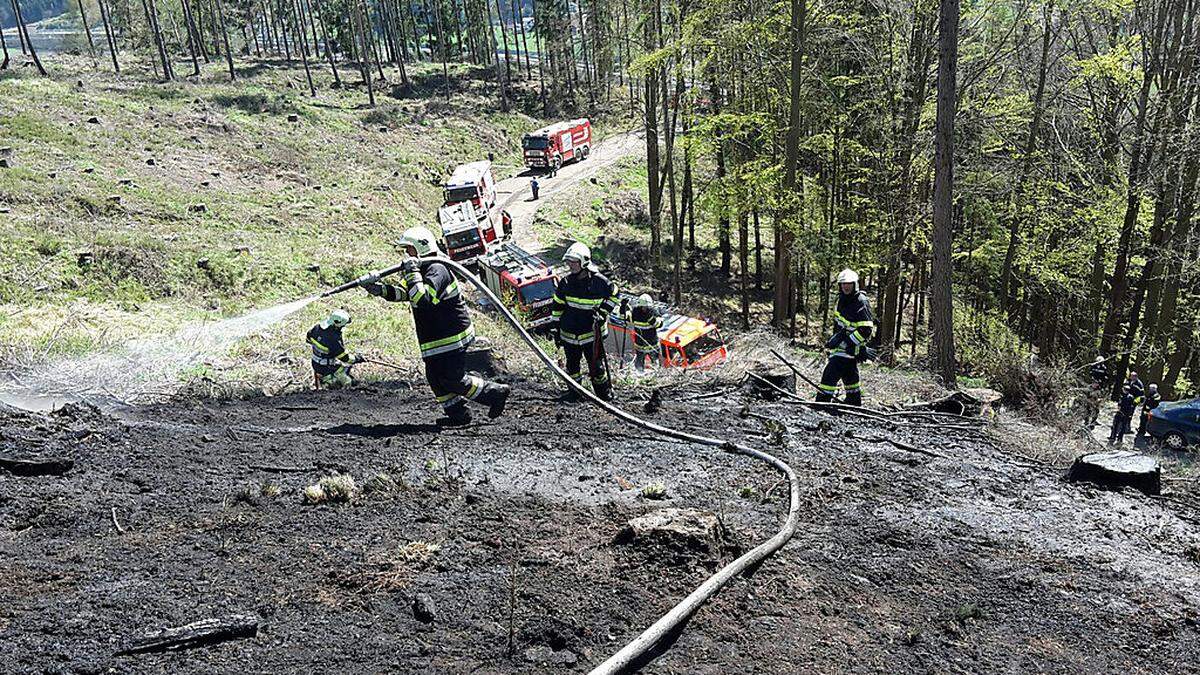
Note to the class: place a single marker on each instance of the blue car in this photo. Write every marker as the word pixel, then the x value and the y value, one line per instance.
pixel 1176 424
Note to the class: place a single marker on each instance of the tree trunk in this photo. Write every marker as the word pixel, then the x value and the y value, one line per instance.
pixel 87 30
pixel 941 274
pixel 4 47
pixel 193 38
pixel 441 38
pixel 364 49
pixel 229 51
pixel 501 76
pixel 302 32
pixel 652 158
pixel 23 31
pixel 744 265
pixel 108 34
pixel 337 79
pixel 519 17
pixel 785 237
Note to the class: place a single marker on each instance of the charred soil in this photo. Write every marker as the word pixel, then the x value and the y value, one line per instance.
pixel 497 547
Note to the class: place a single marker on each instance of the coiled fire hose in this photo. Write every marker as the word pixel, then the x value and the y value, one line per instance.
pixel 624 659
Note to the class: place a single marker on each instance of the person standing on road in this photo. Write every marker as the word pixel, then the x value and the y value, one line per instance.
pixel 443 326
pixel 582 303
pixel 331 360
pixel 1153 398
pixel 534 186
pixel 853 325
pixel 1123 416
pixel 645 323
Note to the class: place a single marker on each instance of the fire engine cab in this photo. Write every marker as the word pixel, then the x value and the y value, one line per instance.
pixel 557 144
pixel 684 341
pixel 523 280
pixel 467 232
pixel 472 183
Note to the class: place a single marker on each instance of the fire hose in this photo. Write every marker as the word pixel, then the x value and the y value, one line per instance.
pixel 625 659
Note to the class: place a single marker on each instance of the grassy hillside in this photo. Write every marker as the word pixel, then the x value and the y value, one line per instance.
pixel 129 208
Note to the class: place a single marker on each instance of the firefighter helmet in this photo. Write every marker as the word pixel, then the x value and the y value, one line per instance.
pixel 338 318
pixel 847 276
pixel 421 239
pixel 1153 388
pixel 578 252
pixel 643 300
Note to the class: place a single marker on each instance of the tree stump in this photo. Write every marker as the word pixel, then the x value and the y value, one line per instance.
pixel 783 378
pixel 1118 469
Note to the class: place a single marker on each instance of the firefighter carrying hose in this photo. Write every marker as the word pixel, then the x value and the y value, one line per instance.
pixel 331 360
pixel 645 326
pixel 582 303
pixel 443 326
pixel 848 346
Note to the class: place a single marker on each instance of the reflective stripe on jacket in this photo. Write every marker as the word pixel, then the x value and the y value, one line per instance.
pixel 439 313
pixel 852 318
pixel 577 300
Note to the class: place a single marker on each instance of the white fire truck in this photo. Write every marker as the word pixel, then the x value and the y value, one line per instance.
pixel 468 232
pixel 472 183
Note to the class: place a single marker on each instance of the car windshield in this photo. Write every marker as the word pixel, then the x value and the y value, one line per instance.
pixel 461 194
pixel 701 346
pixel 542 290
pixel 462 239
pixel 535 142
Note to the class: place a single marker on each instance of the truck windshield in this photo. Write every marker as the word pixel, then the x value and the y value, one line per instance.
pixel 462 239
pixel 535 142
pixel 542 290
pixel 461 194
pixel 701 346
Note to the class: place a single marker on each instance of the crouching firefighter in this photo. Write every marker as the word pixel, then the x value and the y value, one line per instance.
pixel 853 325
pixel 645 326
pixel 582 303
pixel 443 327
pixel 331 360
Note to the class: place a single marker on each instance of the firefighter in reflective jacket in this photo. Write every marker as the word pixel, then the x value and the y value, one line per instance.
pixel 848 346
pixel 645 325
pixel 582 303
pixel 331 360
pixel 443 327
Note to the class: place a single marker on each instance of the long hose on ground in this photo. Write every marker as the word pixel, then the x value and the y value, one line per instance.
pixel 673 619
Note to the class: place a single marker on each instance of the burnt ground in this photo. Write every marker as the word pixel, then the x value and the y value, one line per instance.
pixel 972 561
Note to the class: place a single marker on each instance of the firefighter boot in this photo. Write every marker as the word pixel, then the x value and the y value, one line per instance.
pixel 494 396
pixel 603 389
pixel 456 416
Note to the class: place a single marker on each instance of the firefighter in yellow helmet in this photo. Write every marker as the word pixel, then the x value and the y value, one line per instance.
pixel 582 303
pixel 331 360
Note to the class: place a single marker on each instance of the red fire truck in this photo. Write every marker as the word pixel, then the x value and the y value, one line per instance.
pixel 467 232
pixel 684 341
pixel 473 183
pixel 557 144
pixel 523 280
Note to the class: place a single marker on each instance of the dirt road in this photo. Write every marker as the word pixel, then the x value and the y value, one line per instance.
pixel 514 193
pixel 970 561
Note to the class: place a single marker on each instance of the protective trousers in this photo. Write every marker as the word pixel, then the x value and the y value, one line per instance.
pixel 451 385
pixel 844 370
pixel 593 353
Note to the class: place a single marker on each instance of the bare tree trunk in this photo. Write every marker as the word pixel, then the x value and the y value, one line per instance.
pixel 108 34
pixel 501 76
pixel 87 30
pixel 744 265
pixel 785 237
pixel 23 30
pixel 503 36
pixel 225 38
pixel 302 32
pixel 20 33
pixel 441 37
pixel 337 79
pixel 193 38
pixel 941 276
pixel 359 30
pixel 651 127
pixel 4 47
pixel 519 17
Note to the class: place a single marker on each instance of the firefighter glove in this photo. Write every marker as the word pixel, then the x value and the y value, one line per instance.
pixel 866 354
pixel 836 340
pixel 600 317
pixel 374 288
pixel 368 278
pixel 557 336
pixel 357 358
pixel 409 266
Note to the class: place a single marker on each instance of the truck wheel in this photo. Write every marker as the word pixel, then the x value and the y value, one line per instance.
pixel 585 152
pixel 1175 440
pixel 558 162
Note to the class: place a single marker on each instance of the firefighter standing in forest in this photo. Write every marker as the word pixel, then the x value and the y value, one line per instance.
pixel 1153 398
pixel 443 327
pixel 645 324
pixel 582 303
pixel 1098 371
pixel 848 346
pixel 1123 416
pixel 331 360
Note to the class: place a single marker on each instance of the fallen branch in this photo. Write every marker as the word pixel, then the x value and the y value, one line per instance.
pixel 199 634
pixel 801 375
pixel 113 512
pixel 36 467
pixel 281 469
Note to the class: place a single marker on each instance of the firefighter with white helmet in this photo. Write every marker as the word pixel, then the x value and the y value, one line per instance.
pixel 645 323
pixel 443 327
pixel 582 303
pixel 331 360
pixel 853 325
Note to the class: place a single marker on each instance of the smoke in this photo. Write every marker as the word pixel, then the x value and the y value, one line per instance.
pixel 139 371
